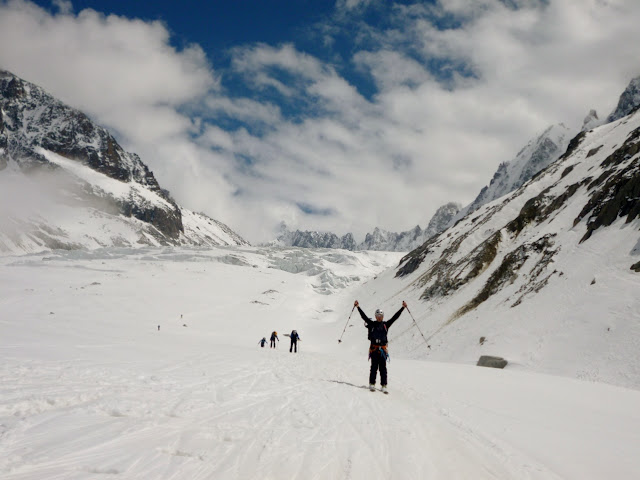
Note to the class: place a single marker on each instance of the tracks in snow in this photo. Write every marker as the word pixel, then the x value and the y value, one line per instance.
pixel 239 414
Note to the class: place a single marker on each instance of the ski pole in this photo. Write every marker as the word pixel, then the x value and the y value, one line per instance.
pixel 416 324
pixel 345 327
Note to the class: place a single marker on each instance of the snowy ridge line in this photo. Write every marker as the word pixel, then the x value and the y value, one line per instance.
pixel 104 184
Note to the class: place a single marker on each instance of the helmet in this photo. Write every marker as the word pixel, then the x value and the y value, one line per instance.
pixel 379 313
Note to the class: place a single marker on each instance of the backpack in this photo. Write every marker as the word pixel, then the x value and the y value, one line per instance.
pixel 378 333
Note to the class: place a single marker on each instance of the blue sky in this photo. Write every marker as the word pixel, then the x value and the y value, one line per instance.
pixel 220 24
pixel 329 115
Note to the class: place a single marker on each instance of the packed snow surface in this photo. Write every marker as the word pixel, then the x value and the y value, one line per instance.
pixel 145 364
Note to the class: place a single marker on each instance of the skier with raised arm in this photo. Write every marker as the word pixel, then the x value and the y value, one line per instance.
pixel 378 351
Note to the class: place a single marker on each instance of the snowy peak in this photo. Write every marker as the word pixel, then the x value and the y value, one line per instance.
pixel 89 174
pixel 590 121
pixel 534 157
pixel 629 101
pixel 441 219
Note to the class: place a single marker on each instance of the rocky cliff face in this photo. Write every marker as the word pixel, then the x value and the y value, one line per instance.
pixel 628 102
pixel 39 133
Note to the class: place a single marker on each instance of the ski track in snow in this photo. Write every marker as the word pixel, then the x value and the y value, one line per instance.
pixel 205 418
pixel 91 389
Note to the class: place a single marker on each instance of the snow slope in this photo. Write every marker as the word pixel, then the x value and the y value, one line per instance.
pixel 540 269
pixel 145 364
pixel 75 208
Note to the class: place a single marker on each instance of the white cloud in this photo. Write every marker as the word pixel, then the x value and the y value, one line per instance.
pixel 64 6
pixel 424 138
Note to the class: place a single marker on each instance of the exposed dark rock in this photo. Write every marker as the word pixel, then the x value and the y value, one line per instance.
pixel 593 151
pixel 530 211
pixel 540 208
pixel 620 194
pixel 444 278
pixel 413 260
pixel 492 362
pixel 573 145
pixel 636 267
pixel 508 270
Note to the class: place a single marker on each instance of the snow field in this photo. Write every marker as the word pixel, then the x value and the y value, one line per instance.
pixel 90 388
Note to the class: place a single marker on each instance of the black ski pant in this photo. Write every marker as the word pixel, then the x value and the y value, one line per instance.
pixel 273 344
pixel 378 362
pixel 294 346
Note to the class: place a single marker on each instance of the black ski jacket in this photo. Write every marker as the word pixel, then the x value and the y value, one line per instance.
pixel 370 323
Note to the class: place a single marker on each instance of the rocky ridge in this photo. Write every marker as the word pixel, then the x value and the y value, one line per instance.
pixel 378 240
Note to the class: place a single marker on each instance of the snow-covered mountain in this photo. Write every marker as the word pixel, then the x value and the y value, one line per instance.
pixel 67 183
pixel 539 153
pixel 556 261
pixel 378 240
pixel 628 102
pixel 545 149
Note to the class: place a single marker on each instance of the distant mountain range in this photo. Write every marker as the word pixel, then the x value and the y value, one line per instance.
pixel 379 239
pixel 72 185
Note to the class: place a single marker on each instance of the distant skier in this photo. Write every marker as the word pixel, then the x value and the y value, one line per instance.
pixel 378 353
pixel 274 337
pixel 294 341
pixel 263 342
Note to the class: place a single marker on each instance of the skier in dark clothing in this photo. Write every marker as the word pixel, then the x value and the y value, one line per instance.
pixel 274 337
pixel 263 342
pixel 378 349
pixel 294 341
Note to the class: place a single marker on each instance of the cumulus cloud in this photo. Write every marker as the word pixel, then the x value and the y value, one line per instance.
pixel 455 89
